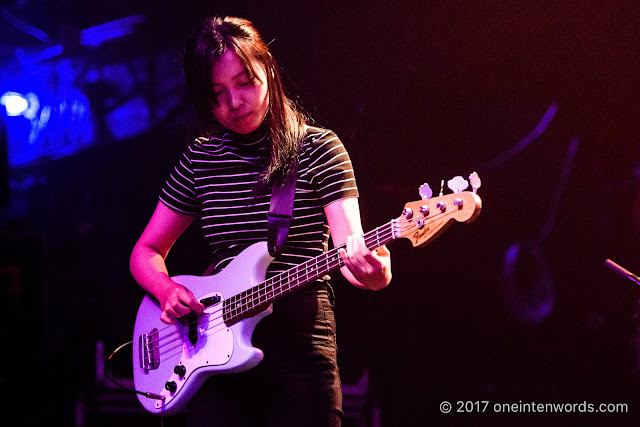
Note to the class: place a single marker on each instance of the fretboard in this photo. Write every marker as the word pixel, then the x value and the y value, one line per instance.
pixel 258 298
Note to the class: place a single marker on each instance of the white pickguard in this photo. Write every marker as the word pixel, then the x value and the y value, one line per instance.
pixel 219 349
pixel 213 348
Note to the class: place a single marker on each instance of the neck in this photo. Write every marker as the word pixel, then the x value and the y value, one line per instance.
pixel 258 298
pixel 248 138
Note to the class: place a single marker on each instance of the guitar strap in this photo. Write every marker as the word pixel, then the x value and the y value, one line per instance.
pixel 281 211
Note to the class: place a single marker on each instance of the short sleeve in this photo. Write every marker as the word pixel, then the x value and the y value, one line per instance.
pixel 331 169
pixel 178 192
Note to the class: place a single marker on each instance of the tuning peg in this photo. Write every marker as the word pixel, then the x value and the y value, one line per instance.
pixel 425 191
pixel 457 184
pixel 475 181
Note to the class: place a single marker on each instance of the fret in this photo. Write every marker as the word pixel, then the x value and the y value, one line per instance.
pixel 262 297
pixel 377 238
pixel 273 290
pixel 327 264
pixel 287 281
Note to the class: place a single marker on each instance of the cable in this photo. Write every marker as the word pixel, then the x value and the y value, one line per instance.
pixel 107 375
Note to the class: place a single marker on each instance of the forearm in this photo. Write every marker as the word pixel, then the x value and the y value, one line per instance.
pixel 147 262
pixel 149 270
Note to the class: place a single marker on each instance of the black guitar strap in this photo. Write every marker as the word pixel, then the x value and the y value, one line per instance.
pixel 281 211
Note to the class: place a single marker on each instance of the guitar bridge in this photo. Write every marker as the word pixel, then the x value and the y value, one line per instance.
pixel 149 350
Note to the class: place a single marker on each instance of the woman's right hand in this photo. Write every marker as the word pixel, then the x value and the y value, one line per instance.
pixel 150 271
pixel 177 301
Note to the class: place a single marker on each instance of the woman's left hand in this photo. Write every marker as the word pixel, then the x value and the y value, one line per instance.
pixel 362 267
pixel 372 269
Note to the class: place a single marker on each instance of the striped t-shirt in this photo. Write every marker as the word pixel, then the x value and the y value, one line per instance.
pixel 215 179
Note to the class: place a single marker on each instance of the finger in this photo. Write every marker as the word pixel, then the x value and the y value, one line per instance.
pixel 172 313
pixel 355 256
pixel 346 252
pixel 349 246
pixel 181 309
pixel 197 307
pixel 185 303
pixel 194 304
pixel 347 259
pixel 348 262
pixel 175 307
pixel 343 255
pixel 167 319
pixel 378 257
pixel 364 251
pixel 364 256
pixel 383 251
pixel 358 251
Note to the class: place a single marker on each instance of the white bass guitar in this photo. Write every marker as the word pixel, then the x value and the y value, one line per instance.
pixel 171 362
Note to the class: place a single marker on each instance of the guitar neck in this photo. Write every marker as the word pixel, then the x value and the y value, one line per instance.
pixel 421 221
pixel 258 298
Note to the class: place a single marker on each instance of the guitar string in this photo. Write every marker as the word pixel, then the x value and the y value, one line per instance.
pixel 388 234
pixel 299 275
pixel 272 283
pixel 331 264
pixel 369 238
pixel 390 229
pixel 244 300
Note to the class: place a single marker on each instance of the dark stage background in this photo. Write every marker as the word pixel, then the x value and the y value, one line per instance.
pixel 418 92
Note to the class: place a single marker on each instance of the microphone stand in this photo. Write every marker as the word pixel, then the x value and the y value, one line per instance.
pixel 635 342
pixel 621 271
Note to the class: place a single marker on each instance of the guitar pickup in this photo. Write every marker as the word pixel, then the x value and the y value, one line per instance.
pixel 208 302
pixel 192 319
pixel 149 350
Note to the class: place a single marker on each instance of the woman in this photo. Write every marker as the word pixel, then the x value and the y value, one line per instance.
pixel 251 135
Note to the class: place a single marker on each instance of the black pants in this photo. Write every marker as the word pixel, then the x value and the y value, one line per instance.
pixel 297 383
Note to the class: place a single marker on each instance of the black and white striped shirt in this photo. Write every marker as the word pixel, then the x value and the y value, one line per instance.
pixel 215 179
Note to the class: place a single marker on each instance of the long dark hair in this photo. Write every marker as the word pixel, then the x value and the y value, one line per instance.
pixel 208 42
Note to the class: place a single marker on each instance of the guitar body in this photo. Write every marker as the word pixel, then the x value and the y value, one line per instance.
pixel 198 347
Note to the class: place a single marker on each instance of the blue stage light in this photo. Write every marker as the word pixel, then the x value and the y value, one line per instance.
pixel 95 36
pixel 17 104
pixel 38 57
pixel 14 103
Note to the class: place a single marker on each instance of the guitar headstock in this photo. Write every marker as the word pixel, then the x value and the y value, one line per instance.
pixel 424 220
